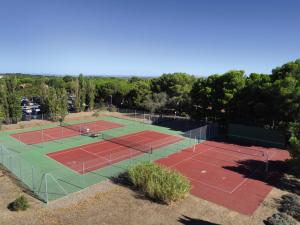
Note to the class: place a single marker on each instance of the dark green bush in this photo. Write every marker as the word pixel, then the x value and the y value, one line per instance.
pixel 290 204
pixel 280 219
pixel 158 182
pixel 20 203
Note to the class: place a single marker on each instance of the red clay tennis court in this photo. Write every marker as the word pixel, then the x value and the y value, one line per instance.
pixel 217 174
pixel 57 133
pixel 90 157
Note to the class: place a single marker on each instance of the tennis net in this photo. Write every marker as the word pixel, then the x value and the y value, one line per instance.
pixel 76 127
pixel 142 147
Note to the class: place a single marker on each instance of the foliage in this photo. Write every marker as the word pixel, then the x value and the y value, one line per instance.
pixel 155 102
pixel 10 99
pixel 82 92
pixel 290 204
pixel 138 94
pixel 159 183
pixel 90 96
pixel 20 203
pixel 271 100
pixel 294 146
pixel 280 219
pixel 177 86
pixel 56 100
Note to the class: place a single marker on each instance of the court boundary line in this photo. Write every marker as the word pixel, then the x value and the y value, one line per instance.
pixel 106 160
pixel 240 184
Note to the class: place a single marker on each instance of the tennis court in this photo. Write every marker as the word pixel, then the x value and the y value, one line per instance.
pixel 64 131
pixel 219 174
pixel 91 157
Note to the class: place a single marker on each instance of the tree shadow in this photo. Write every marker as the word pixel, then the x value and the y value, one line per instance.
pixel 186 220
pixel 275 175
pixel 182 125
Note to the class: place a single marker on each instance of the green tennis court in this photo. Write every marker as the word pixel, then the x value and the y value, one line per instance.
pixel 49 179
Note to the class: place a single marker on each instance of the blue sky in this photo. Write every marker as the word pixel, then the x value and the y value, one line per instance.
pixel 150 37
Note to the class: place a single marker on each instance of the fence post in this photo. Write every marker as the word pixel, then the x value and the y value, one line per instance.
pixel 46 189
pixel 9 162
pixel 43 137
pixel 83 173
pixel 20 167
pixel 32 176
pixel 2 157
pixel 267 163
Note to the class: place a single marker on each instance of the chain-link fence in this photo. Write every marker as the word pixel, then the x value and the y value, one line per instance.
pixel 50 180
pixel 53 183
pixel 207 132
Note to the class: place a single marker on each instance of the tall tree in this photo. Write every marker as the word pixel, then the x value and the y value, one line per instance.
pixel 155 102
pixel 57 102
pixel 11 101
pixel 177 86
pixel 82 92
pixel 91 92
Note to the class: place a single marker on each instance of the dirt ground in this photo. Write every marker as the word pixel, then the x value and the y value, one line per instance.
pixel 111 204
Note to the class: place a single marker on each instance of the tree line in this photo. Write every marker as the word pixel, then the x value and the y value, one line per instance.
pixel 257 99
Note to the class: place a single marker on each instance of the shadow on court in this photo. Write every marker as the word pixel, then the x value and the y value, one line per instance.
pixel 256 170
pixel 186 220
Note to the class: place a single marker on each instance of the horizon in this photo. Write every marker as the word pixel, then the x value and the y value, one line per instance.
pixel 134 38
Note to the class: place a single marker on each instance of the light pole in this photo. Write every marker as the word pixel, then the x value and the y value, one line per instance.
pixel 110 100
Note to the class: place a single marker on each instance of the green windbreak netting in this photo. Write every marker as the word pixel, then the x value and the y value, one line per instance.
pixel 256 135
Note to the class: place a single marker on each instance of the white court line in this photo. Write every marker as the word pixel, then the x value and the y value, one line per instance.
pixel 212 186
pixel 188 158
pixel 218 166
pixel 64 151
pixel 239 185
pixel 209 185
pixel 76 147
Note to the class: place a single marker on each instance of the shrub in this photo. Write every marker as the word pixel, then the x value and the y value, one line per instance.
pixel 96 114
pixel 158 182
pixel 113 108
pixel 290 204
pixel 280 219
pixel 20 203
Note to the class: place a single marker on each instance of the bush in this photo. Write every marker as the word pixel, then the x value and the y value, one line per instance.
pixel 20 203
pixel 96 114
pixel 159 183
pixel 113 108
pixel 290 204
pixel 280 219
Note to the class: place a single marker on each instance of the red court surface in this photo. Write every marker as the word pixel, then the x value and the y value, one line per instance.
pixel 218 173
pixel 90 157
pixel 57 133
